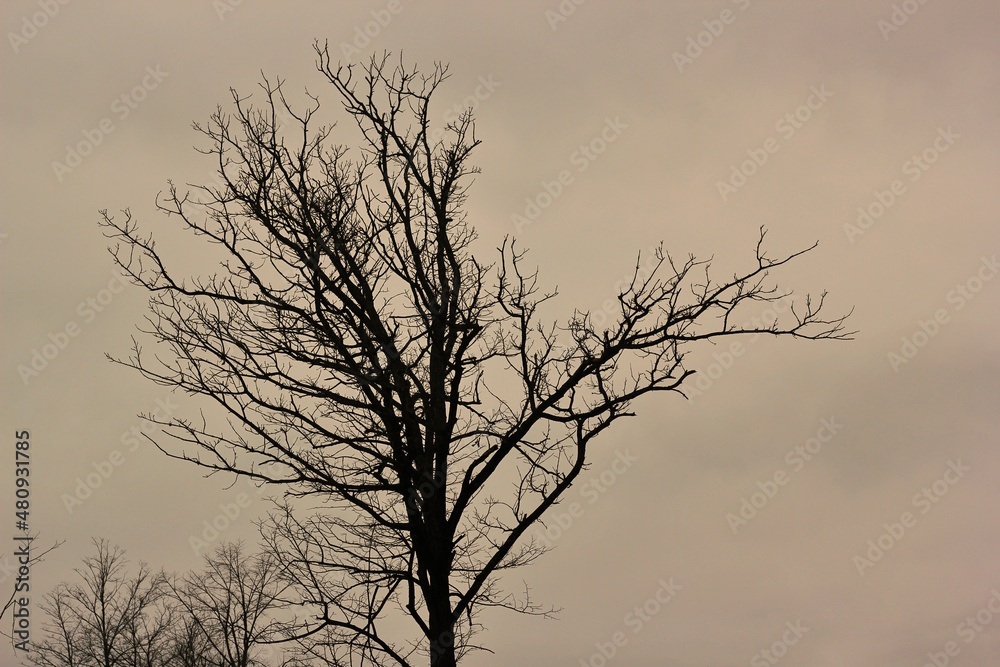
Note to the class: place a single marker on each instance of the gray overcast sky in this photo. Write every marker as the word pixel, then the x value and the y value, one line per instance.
pixel 718 117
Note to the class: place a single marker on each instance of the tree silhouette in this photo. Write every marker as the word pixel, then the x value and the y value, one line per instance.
pixel 229 606
pixel 108 618
pixel 401 391
pixel 223 615
pixel 189 646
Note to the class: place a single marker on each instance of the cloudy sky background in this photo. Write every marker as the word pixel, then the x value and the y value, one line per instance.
pixel 556 85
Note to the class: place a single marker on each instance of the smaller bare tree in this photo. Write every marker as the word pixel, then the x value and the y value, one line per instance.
pixel 188 645
pixel 106 619
pixel 61 647
pixel 230 603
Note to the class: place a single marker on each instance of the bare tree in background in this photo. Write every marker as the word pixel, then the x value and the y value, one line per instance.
pixel 230 604
pixel 402 392
pixel 189 647
pixel 108 618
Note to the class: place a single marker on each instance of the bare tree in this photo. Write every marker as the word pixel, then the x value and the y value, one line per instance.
pixel 149 633
pixel 405 395
pixel 63 645
pixel 189 647
pixel 106 619
pixel 230 603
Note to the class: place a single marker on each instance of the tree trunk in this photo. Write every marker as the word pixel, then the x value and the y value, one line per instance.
pixel 440 620
pixel 442 645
